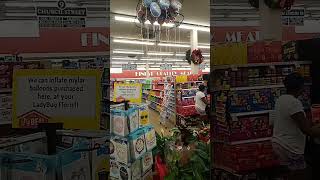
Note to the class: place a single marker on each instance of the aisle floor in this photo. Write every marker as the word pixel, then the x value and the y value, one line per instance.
pixel 154 117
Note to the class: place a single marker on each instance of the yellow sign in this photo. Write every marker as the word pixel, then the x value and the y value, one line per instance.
pixel 72 97
pixel 130 92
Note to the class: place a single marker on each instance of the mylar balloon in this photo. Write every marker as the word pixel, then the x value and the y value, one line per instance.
pixel 155 9
pixel 164 4
pixel 162 18
pixel 151 18
pixel 147 3
pixel 176 4
pixel 142 16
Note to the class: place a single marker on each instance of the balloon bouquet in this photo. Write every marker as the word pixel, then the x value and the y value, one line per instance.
pixel 160 11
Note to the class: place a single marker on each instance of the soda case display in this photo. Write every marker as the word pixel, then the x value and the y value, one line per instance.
pixel 124 122
pixel 130 154
pixel 120 171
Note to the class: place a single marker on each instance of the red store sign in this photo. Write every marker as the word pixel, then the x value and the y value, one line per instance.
pixel 252 34
pixel 59 40
pixel 152 73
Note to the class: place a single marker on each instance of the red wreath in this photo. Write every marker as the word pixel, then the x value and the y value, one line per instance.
pixel 196 57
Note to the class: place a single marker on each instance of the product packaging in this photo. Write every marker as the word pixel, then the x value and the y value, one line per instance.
pixel 75 162
pixel 137 144
pixel 144 115
pixel 147 162
pixel 121 152
pixel 119 123
pixel 100 159
pixel 133 118
pixel 148 176
pixel 150 136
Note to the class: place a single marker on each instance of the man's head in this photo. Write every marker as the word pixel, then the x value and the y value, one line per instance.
pixel 202 88
pixel 294 84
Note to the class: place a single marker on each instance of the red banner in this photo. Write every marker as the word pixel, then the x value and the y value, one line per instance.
pixel 152 73
pixel 251 34
pixel 56 40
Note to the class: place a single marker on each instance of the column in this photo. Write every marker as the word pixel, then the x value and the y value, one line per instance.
pixel 194 45
pixel 271 23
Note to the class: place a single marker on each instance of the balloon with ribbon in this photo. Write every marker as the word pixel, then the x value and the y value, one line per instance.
pixel 164 4
pixel 147 3
pixel 142 14
pixel 155 9
pixel 176 4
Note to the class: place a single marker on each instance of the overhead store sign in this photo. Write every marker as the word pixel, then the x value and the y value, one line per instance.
pixel 126 67
pixel 131 92
pixel 293 17
pixel 61 16
pixel 68 96
pixel 59 40
pixel 166 66
pixel 152 73
pixel 252 34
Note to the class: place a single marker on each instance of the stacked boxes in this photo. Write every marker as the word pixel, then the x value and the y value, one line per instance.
pixel 131 143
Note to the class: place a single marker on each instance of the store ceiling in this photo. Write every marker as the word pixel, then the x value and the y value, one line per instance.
pixel 195 12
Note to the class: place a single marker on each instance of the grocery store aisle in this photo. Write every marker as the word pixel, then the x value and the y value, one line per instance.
pixel 154 117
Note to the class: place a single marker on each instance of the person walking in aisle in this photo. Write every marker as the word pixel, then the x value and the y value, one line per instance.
pixel 201 101
pixel 291 128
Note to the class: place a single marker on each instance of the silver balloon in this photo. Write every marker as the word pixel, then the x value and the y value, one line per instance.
pixel 176 4
pixel 155 9
pixel 164 4
pixel 147 3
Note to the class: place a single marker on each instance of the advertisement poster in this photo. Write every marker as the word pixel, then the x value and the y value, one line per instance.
pixel 68 96
pixel 131 92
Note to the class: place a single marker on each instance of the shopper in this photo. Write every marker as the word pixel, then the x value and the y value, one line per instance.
pixel 291 128
pixel 201 101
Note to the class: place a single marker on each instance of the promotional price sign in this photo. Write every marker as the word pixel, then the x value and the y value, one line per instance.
pixel 71 97
pixel 293 17
pixel 131 92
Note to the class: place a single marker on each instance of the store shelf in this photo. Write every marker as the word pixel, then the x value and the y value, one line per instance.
pixel 154 109
pixel 189 82
pixel 157 89
pixel 5 122
pixel 251 113
pixel 5 90
pixel 188 97
pixel 187 89
pixel 155 102
pixel 262 64
pixel 256 87
pixel 156 96
pixel 250 141
pixel 186 105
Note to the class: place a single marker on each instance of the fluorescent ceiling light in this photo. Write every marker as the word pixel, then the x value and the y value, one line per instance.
pixel 206 55
pixel 159 54
pixel 147 59
pixel 132 42
pixel 124 58
pixel 174 45
pixel 191 27
pixel 180 55
pixel 126 52
pixel 182 26
pixel 134 20
pixel 204 47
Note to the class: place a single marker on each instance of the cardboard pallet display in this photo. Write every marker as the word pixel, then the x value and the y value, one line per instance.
pixel 79 155
pixel 131 152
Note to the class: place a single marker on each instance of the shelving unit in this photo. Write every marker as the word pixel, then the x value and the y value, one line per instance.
pixel 244 105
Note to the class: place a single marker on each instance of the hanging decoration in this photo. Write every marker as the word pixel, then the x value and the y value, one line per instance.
pixel 161 11
pixel 274 4
pixel 195 57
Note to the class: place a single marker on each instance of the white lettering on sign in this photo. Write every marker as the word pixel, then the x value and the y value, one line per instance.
pixel 95 39
pixel 242 37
